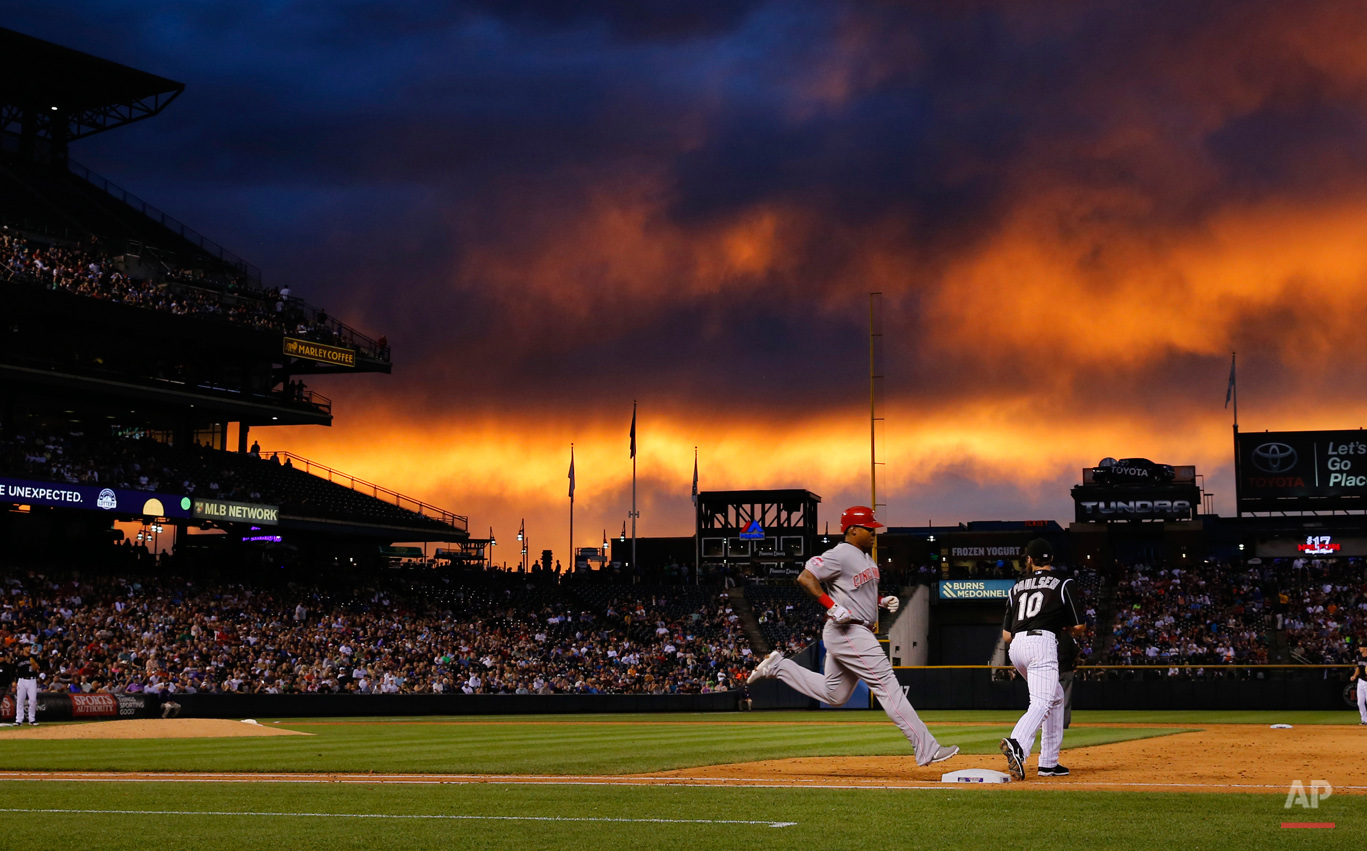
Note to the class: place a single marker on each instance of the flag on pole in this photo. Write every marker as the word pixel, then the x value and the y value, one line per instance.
pixel 633 429
pixel 1229 391
pixel 571 472
pixel 695 475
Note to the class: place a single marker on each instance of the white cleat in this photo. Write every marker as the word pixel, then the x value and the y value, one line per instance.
pixel 941 754
pixel 767 667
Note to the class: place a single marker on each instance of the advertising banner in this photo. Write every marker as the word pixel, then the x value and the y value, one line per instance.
pixel 236 512
pixel 308 350
pixel 1301 469
pixel 93 498
pixel 63 706
pixel 1313 546
pixel 1096 504
pixel 974 589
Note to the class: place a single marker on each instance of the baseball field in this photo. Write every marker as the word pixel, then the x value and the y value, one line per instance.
pixel 780 780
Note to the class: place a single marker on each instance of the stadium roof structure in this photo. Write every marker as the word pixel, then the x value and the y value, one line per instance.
pixel 61 94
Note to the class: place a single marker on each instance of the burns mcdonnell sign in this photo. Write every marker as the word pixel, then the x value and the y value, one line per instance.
pixel 308 350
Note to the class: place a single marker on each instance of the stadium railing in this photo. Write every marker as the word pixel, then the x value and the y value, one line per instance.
pixel 362 486
pixel 173 225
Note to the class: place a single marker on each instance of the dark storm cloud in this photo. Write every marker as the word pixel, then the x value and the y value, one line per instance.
pixel 1074 211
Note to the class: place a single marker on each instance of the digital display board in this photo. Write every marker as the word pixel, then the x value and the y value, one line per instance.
pixel 93 498
pixel 1301 470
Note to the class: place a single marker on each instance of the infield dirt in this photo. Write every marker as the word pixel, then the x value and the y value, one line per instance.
pixel 1217 758
pixel 148 728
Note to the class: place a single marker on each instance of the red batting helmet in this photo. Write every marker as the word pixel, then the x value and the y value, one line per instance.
pixel 859 515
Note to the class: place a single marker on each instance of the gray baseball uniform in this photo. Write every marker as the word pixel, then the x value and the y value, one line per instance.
pixel 850 576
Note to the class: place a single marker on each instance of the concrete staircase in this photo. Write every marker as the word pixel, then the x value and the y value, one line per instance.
pixel 740 604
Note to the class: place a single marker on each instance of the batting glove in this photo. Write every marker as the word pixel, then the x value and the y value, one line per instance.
pixel 839 614
pixel 891 603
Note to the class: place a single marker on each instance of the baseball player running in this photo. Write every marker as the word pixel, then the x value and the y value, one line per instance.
pixel 1038 609
pixel 844 580
pixel 1360 675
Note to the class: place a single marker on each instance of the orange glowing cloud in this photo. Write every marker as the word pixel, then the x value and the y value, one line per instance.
pixel 1066 260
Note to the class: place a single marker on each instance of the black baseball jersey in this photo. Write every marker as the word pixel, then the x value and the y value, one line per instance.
pixel 28 669
pixel 1362 670
pixel 1042 601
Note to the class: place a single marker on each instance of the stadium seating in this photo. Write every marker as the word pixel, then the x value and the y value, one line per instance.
pixel 151 465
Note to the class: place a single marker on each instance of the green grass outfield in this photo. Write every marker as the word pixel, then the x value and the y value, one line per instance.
pixel 572 815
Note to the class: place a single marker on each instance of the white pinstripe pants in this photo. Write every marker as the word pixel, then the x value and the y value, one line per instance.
pixel 853 654
pixel 1036 659
pixel 26 693
pixel 1362 700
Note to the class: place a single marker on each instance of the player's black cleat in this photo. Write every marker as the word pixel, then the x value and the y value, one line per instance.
pixel 1053 771
pixel 1014 762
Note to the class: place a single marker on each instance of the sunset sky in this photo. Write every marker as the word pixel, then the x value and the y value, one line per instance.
pixel 1075 212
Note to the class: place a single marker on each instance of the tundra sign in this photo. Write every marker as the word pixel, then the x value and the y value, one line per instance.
pixel 1294 470
pixel 1097 504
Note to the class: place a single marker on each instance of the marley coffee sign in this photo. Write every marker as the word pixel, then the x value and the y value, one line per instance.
pixel 308 350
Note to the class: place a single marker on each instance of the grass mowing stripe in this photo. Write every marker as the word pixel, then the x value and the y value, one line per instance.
pixel 396 816
pixel 969 819
pixel 549 749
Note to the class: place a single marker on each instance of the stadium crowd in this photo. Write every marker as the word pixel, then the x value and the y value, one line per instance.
pixel 1201 615
pixel 133 633
pixel 89 271
pixel 1325 604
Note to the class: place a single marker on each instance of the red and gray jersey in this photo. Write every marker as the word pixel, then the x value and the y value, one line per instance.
pixel 850 576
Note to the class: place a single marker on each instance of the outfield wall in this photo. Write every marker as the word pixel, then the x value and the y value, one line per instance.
pixel 974 688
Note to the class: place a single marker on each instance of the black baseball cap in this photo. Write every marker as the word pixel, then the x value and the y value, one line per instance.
pixel 1040 550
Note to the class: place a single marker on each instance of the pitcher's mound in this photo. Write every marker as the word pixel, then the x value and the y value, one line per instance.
pixel 147 728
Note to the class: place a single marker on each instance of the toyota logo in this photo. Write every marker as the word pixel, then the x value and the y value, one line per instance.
pixel 1274 457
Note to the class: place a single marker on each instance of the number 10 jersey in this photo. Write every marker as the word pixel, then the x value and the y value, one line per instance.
pixel 1041 601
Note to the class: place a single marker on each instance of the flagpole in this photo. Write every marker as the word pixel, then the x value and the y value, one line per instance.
pixel 572 561
pixel 1234 381
pixel 697 522
pixel 636 567
pixel 1233 394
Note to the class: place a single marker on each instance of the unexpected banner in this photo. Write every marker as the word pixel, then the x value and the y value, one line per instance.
pixel 236 512
pixel 93 498
pixel 975 589
pixel 308 350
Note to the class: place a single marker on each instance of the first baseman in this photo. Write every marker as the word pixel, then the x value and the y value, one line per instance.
pixel 844 580
pixel 1038 609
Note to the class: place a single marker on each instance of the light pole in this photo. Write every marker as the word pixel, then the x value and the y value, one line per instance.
pixel 489 561
pixel 522 538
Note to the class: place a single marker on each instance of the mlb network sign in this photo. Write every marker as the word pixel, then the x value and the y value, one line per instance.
pixel 975 589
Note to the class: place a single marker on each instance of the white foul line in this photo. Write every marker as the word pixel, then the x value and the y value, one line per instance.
pixel 396 816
